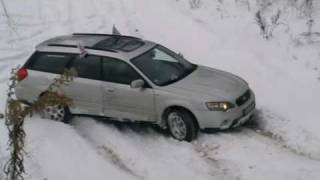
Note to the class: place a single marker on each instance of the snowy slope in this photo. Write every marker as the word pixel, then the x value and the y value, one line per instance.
pixel 222 34
pixel 56 151
pixel 241 154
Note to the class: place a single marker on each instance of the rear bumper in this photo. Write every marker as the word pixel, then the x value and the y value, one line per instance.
pixel 224 120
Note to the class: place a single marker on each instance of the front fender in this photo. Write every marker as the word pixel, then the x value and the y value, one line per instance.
pixel 163 102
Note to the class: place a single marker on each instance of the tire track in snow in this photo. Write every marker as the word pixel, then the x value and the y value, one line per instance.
pixel 148 154
pixel 121 145
pixel 71 156
pixel 221 169
pixel 258 126
pixel 279 140
pixel 109 154
pixel 254 155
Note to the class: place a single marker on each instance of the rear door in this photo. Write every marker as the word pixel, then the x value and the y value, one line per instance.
pixel 120 100
pixel 85 89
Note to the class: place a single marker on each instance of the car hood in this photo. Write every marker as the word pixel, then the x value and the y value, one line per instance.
pixel 205 81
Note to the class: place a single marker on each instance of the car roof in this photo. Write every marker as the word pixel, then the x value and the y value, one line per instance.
pixel 116 46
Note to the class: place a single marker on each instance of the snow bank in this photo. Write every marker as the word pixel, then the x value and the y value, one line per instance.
pixel 56 151
pixel 145 153
pixel 256 157
pixel 242 154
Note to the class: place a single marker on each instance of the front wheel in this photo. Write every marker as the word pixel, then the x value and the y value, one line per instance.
pixel 182 125
pixel 57 113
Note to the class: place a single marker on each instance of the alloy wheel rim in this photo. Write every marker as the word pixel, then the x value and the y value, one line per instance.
pixel 177 126
pixel 54 112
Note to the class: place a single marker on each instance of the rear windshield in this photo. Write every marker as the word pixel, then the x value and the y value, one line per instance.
pixel 119 43
pixel 49 62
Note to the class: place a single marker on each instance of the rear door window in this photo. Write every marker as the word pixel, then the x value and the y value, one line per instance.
pixel 117 71
pixel 49 62
pixel 88 67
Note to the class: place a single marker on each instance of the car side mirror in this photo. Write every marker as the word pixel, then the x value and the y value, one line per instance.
pixel 139 83
pixel 180 54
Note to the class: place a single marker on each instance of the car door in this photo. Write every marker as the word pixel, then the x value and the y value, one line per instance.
pixel 120 100
pixel 85 89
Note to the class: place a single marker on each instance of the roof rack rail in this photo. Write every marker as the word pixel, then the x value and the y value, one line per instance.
pixel 86 47
pixel 111 35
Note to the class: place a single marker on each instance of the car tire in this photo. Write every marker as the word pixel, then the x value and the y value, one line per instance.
pixel 182 125
pixel 57 113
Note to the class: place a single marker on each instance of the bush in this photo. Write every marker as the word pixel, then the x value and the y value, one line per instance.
pixel 194 4
pixel 16 112
pixel 267 27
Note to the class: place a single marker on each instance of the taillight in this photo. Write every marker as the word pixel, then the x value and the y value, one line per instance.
pixel 22 74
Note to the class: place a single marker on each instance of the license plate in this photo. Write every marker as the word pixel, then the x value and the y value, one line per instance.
pixel 248 109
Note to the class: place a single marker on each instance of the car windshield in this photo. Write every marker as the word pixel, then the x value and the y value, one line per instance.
pixel 162 66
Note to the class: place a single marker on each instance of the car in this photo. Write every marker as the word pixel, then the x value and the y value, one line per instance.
pixel 126 78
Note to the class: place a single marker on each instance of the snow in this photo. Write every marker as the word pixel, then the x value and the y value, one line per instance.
pixel 284 74
pixel 240 154
pixel 58 152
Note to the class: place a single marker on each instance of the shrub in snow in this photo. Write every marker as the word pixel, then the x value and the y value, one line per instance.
pixel 307 38
pixel 16 112
pixel 244 3
pixel 261 23
pixel 267 27
pixel 194 4
pixel 307 7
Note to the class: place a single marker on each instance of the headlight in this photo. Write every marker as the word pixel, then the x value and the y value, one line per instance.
pixel 219 106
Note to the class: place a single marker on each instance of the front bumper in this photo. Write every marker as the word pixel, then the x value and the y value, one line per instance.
pixel 224 120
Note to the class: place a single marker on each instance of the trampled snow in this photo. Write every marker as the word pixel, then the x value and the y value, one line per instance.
pixel 284 72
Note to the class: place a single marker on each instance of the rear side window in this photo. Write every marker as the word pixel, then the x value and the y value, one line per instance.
pixel 88 67
pixel 118 71
pixel 49 62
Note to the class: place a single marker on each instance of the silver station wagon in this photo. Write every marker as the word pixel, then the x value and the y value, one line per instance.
pixel 129 79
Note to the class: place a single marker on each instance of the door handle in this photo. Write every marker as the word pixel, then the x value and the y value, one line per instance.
pixel 110 90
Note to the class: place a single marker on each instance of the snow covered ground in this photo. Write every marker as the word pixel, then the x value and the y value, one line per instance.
pixel 284 72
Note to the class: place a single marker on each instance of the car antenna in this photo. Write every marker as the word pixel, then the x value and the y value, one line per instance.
pixel 115 31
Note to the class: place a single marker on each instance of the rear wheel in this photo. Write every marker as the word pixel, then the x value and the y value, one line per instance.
pixel 57 113
pixel 182 125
